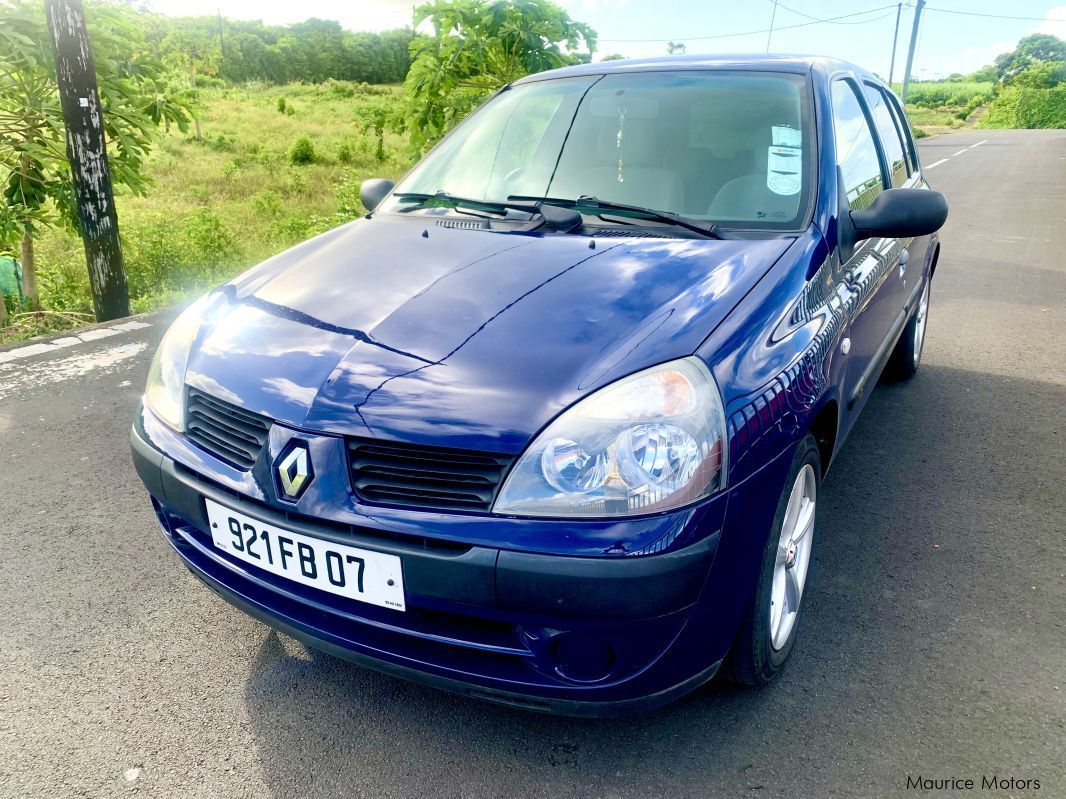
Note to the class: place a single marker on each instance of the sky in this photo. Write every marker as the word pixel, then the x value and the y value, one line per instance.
pixel 947 42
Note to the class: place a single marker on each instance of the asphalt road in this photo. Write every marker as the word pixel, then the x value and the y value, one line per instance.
pixel 934 641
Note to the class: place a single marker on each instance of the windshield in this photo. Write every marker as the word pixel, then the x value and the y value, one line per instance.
pixel 731 148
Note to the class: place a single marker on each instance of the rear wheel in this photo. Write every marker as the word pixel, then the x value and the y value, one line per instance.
pixel 768 630
pixel 907 356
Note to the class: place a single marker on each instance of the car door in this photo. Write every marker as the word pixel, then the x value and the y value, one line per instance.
pixel 871 268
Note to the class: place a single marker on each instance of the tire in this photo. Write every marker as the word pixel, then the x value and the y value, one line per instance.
pixel 762 644
pixel 907 356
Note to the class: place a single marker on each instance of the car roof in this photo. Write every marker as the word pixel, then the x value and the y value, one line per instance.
pixel 734 61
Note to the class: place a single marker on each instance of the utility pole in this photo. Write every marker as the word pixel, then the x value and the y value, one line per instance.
pixel 910 53
pixel 773 16
pixel 87 153
pixel 895 37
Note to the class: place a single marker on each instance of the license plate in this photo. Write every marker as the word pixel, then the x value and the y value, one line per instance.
pixel 359 574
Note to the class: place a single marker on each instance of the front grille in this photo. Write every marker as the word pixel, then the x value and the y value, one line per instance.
pixel 232 434
pixel 390 473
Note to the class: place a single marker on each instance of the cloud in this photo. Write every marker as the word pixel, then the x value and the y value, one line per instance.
pixel 1054 22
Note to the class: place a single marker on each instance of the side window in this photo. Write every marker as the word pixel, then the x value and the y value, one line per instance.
pixel 905 130
pixel 856 150
pixel 886 128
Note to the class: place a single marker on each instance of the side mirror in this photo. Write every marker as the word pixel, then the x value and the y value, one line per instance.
pixel 373 191
pixel 901 213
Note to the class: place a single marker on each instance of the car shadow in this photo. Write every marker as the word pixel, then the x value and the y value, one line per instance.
pixel 917 529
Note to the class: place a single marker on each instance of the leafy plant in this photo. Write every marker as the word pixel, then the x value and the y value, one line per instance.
pixel 477 47
pixel 302 151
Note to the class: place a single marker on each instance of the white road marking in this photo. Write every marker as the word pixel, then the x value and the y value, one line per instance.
pixel 133 324
pixel 58 369
pixel 936 163
pixel 98 333
pixel 95 334
pixel 960 152
pixel 978 144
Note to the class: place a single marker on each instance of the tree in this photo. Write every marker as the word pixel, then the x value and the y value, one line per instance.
pixel 614 57
pixel 479 46
pixel 1041 75
pixel 675 48
pixel 1032 49
pixel 135 97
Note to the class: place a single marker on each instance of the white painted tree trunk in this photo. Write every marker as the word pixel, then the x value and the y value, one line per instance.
pixel 87 153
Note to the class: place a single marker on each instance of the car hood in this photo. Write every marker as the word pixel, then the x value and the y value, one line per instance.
pixel 469 338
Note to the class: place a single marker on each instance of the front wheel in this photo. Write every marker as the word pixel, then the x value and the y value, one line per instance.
pixel 907 356
pixel 768 630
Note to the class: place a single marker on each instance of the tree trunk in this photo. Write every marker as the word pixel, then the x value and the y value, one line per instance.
pixel 87 153
pixel 29 273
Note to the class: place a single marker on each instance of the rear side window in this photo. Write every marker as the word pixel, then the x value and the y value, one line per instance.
pixel 856 150
pixel 886 128
pixel 904 127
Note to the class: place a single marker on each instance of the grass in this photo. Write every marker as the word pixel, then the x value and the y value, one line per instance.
pixel 264 176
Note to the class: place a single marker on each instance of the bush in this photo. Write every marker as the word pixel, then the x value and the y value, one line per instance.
pixel 302 151
pixel 281 104
pixel 1021 107
pixel 267 203
pixel 938 95
pixel 341 88
pixel 167 257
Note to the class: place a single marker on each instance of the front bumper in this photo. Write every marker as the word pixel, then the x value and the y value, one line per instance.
pixel 574 635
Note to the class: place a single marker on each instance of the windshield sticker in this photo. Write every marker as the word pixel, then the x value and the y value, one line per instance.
pixel 783 170
pixel 785 136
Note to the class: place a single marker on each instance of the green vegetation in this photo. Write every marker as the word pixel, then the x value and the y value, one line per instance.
pixel 312 51
pixel 1031 92
pixel 233 198
pixel 478 47
pixel 935 106
pixel 1023 107
pixel 135 97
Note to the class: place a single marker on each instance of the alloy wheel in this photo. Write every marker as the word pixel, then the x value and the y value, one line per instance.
pixel 793 557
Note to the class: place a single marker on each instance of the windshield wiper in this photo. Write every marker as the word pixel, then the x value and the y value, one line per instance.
pixel 560 218
pixel 447 200
pixel 709 229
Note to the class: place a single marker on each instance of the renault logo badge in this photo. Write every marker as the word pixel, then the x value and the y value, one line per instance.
pixel 294 471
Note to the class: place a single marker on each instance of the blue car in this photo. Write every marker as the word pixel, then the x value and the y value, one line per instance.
pixel 548 426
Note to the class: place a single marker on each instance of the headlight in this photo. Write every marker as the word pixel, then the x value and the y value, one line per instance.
pixel 164 395
pixel 651 442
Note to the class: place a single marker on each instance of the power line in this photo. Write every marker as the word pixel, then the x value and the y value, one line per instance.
pixel 990 16
pixel 769 35
pixel 836 20
pixel 762 30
